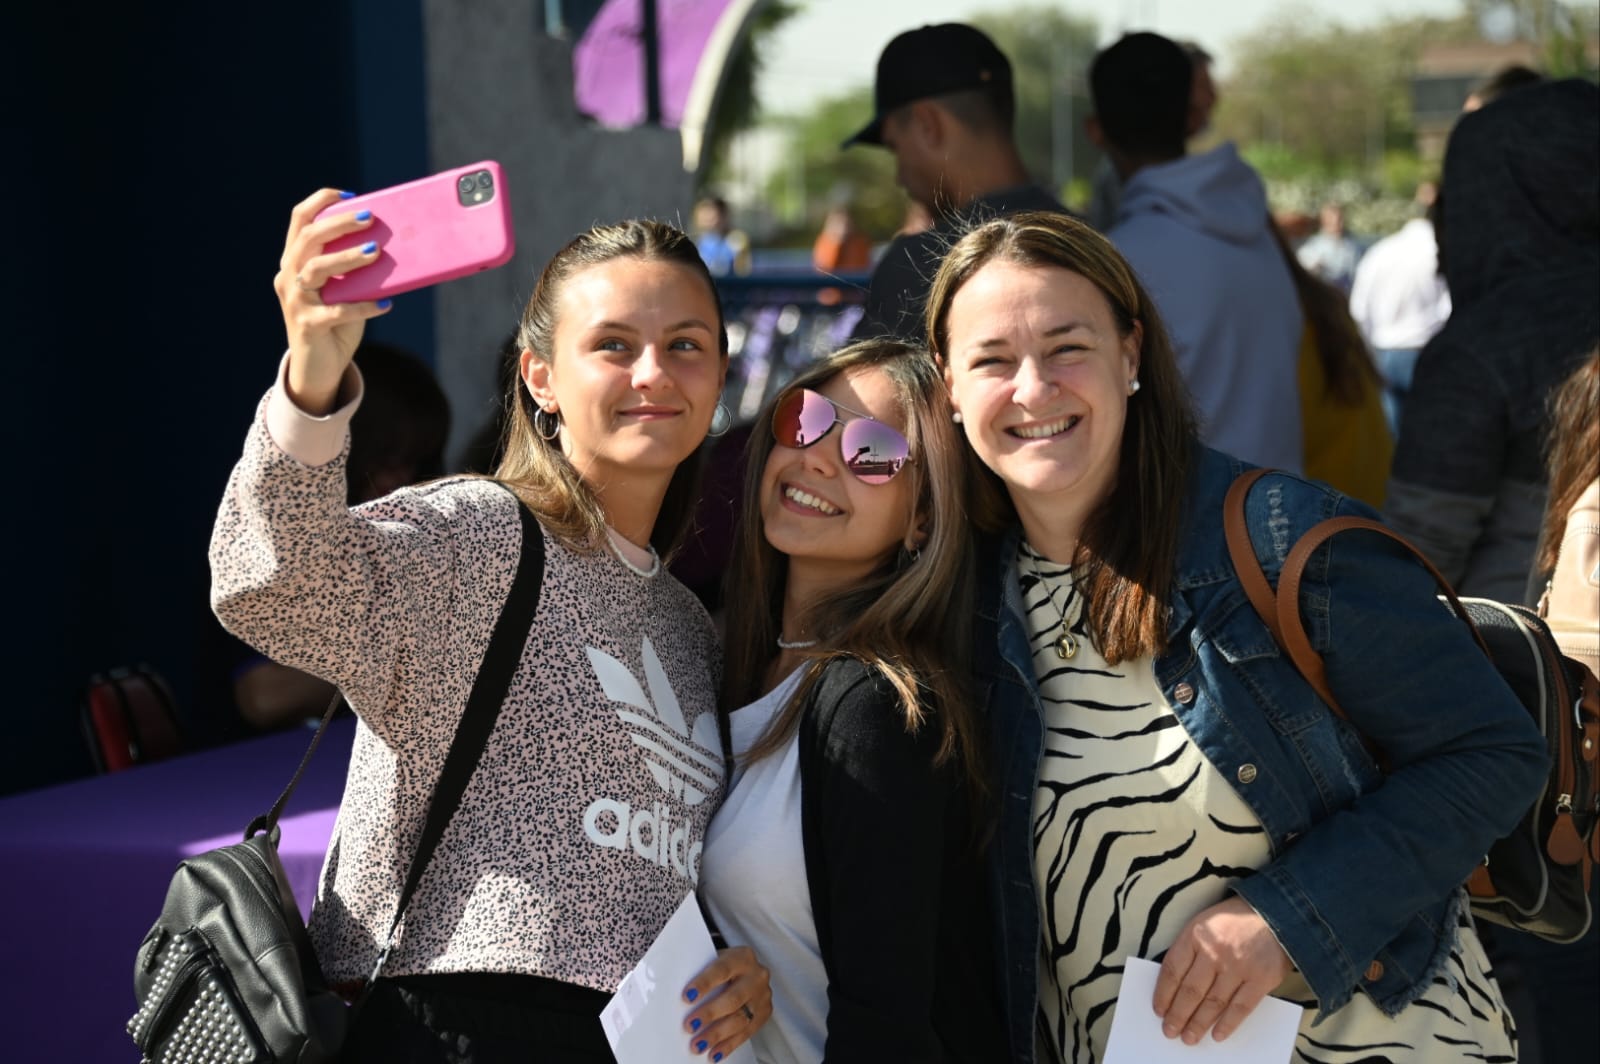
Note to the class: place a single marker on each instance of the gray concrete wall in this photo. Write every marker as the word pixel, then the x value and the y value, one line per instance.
pixel 500 88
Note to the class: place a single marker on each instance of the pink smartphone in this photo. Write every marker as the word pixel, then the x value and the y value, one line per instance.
pixel 430 230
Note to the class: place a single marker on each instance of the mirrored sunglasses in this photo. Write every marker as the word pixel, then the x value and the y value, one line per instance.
pixel 873 451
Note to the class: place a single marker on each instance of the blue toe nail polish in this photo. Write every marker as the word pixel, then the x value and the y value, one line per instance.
pixel 385 304
pixel 691 993
pixel 694 1024
pixel 347 195
pixel 362 216
pixel 700 1046
pixel 369 247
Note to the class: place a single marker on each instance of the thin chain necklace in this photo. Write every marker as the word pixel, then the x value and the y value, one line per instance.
pixel 1067 644
pixel 799 644
pixel 616 548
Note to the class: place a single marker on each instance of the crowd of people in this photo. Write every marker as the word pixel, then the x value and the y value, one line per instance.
pixel 983 712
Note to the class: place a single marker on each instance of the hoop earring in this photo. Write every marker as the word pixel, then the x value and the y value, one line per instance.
pixel 721 420
pixel 546 424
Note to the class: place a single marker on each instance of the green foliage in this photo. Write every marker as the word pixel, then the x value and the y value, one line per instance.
pixel 737 108
pixel 1330 100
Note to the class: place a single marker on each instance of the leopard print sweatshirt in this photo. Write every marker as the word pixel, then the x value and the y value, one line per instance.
pixel 580 832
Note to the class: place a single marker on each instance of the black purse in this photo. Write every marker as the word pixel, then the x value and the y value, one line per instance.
pixel 228 974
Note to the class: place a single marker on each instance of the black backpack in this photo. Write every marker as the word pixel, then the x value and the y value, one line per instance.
pixel 1536 879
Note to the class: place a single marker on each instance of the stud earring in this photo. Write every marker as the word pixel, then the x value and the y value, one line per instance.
pixel 956 417
pixel 1133 385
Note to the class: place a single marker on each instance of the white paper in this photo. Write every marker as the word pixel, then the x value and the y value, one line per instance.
pixel 1265 1037
pixel 643 1021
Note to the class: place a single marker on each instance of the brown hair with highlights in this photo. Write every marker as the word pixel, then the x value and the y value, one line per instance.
pixel 1127 553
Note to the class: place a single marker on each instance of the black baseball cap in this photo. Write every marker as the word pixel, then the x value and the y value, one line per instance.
pixel 931 61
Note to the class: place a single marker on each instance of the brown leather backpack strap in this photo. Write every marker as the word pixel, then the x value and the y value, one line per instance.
pixel 1237 532
pixel 1294 638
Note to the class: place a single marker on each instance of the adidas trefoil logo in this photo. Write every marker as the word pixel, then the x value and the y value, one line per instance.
pixel 680 759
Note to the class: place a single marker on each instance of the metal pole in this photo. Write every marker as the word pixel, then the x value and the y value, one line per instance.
pixel 650 32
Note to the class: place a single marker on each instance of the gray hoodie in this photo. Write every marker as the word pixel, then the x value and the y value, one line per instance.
pixel 1195 230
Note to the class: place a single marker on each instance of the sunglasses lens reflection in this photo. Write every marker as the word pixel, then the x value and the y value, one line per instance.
pixel 802 419
pixel 873 451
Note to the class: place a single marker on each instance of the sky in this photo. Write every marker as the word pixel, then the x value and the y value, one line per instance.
pixel 833 44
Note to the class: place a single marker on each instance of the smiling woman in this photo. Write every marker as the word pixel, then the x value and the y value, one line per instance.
pixel 516 937
pixel 846 851
pixel 1160 756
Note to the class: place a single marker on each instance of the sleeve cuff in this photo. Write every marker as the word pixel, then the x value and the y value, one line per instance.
pixel 308 439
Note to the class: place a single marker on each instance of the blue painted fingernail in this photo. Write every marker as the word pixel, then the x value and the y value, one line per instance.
pixel 362 216
pixel 369 247
pixel 346 195
pixel 385 304
pixel 716 1057
pixel 691 993
pixel 700 1046
pixel 694 1024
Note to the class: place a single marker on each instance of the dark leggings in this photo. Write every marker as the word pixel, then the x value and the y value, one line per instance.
pixel 474 1018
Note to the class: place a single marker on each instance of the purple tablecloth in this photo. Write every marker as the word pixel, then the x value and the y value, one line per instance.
pixel 84 868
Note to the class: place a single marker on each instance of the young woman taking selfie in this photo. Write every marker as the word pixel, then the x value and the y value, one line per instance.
pixel 539 898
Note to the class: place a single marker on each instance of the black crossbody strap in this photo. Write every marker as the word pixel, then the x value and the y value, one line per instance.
pixel 483 709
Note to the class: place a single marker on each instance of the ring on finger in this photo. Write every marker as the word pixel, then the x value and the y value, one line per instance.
pixel 748 1014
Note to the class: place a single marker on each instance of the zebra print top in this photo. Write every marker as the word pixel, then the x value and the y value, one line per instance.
pixel 1134 832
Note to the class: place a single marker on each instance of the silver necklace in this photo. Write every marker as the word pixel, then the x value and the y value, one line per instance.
pixel 1067 644
pixel 655 559
pixel 799 644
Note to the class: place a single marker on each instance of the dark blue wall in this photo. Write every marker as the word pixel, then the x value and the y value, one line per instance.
pixel 155 153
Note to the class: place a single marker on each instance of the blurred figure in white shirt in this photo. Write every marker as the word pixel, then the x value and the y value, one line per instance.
pixel 1399 299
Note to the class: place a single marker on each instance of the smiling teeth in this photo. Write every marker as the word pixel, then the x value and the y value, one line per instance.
pixel 1039 432
pixel 805 498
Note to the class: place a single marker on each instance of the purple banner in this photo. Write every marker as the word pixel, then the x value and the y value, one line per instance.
pixel 608 62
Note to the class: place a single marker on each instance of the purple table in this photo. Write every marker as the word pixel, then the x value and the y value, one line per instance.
pixel 84 868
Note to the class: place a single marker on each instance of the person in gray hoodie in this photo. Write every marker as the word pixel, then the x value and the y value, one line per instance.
pixel 1196 229
pixel 1519 244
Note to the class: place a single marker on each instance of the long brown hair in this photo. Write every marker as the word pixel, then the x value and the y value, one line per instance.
pixel 1348 374
pixel 1127 553
pixel 899 621
pixel 542 475
pixel 1574 450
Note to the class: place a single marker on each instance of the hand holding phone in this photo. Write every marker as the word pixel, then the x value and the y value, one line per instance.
pixel 430 230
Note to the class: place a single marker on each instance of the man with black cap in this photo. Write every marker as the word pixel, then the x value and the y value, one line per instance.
pixel 944 106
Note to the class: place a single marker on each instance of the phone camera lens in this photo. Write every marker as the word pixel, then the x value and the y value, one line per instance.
pixel 466 184
pixel 485 182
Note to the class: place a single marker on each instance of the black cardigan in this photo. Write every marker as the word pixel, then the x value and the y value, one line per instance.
pixel 897 884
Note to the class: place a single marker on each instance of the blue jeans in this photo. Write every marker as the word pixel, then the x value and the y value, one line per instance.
pixel 1395 366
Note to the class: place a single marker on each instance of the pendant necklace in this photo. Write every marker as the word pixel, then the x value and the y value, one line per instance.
pixel 1067 645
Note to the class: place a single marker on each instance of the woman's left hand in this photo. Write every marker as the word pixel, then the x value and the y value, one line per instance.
pixel 735 999
pixel 1223 962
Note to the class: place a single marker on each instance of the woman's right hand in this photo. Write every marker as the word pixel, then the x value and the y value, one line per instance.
pixel 322 336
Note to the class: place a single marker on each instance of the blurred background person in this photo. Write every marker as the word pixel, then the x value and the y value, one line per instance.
pixel 1196 229
pixel 725 249
pixel 841 246
pixel 1331 252
pixel 1520 247
pixel 1400 300
pixel 397 438
pixel 944 104
pixel 1515 76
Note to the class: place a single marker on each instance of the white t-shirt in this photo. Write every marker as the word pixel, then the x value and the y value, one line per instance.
pixel 753 881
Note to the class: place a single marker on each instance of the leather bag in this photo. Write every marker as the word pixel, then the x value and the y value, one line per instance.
pixel 1536 879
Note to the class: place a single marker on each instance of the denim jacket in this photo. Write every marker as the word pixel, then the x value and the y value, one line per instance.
pixel 1362 888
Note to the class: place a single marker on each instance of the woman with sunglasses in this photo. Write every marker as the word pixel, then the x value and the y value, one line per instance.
pixel 1170 788
pixel 558 869
pixel 846 853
